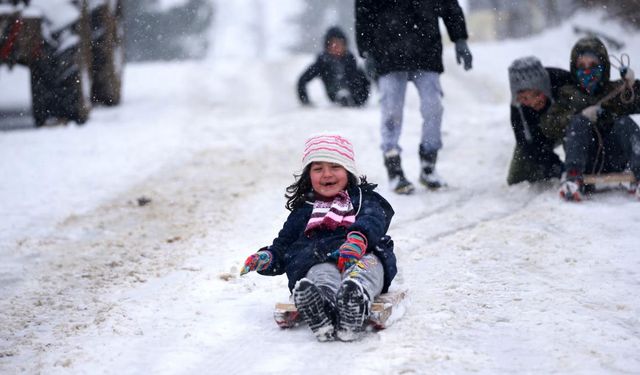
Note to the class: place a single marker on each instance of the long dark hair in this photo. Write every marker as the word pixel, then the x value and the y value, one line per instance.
pixel 301 190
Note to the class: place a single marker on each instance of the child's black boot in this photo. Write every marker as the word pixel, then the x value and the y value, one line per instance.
pixel 397 181
pixel 316 311
pixel 428 175
pixel 353 310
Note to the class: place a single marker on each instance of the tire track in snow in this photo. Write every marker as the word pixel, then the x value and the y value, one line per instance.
pixel 117 247
pixel 443 317
pixel 465 203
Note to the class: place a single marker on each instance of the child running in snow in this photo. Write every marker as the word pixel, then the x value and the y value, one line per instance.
pixel 333 246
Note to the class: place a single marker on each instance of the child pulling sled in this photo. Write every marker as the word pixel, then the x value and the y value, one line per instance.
pixel 333 246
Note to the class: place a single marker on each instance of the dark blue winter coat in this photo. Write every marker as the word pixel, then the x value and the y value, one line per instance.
pixel 295 253
pixel 404 35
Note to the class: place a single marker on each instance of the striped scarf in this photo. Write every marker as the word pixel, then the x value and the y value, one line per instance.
pixel 330 215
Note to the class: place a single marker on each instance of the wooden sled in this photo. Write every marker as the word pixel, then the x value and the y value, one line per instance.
pixel 286 315
pixel 608 181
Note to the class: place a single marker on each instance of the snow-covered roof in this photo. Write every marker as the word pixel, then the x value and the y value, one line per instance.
pixel 59 13
pixel 168 4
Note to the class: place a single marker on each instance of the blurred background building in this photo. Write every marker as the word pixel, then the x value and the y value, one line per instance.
pixel 183 29
pixel 503 19
pixel 157 31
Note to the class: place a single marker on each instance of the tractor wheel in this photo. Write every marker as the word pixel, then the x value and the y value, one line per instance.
pixel 107 54
pixel 60 78
pixel 42 93
pixel 73 85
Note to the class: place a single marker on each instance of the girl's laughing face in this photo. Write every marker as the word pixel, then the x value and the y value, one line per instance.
pixel 328 179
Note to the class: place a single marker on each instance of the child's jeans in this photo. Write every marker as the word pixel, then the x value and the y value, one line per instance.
pixel 368 272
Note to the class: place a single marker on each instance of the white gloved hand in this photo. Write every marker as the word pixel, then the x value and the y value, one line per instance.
pixel 628 75
pixel 592 112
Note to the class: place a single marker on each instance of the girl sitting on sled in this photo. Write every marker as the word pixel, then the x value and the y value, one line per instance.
pixel 333 246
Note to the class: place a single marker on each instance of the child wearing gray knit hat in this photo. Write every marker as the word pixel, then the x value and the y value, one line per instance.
pixel 533 90
pixel 527 73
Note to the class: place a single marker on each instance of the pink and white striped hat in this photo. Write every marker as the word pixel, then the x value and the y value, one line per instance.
pixel 331 148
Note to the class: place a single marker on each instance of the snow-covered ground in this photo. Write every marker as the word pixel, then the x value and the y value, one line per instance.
pixel 500 279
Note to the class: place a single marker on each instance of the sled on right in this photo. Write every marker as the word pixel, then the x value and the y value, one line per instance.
pixel 609 181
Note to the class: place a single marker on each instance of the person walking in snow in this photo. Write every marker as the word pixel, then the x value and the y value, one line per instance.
pixel 591 116
pixel 333 246
pixel 401 42
pixel 343 81
pixel 533 89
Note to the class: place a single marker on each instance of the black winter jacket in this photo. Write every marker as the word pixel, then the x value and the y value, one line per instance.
pixel 526 124
pixel 335 72
pixel 295 253
pixel 403 35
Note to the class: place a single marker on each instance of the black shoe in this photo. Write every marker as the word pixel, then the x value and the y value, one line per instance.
pixel 314 309
pixel 431 180
pixel 428 175
pixel 401 185
pixel 353 310
pixel 397 181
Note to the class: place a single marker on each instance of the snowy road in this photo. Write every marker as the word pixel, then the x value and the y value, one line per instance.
pixel 501 279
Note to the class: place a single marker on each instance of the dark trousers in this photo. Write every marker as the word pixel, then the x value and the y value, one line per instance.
pixel 602 150
pixel 359 88
pixel 541 165
pixel 353 92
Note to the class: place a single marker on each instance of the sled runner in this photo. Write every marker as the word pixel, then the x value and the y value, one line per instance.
pixel 286 315
pixel 608 181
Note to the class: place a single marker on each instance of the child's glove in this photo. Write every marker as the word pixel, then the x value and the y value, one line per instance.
pixel 352 250
pixel 257 262
pixel 593 112
pixel 304 100
pixel 627 74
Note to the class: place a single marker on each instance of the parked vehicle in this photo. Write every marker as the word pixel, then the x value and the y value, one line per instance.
pixel 173 31
pixel 73 49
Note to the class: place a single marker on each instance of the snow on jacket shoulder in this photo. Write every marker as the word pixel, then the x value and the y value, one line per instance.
pixel 294 253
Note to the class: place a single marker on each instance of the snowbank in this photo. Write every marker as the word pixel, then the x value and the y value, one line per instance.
pixel 501 279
